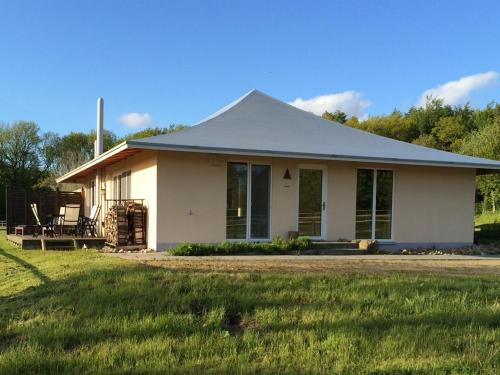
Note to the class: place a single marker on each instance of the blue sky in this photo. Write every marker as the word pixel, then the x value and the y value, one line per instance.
pixel 164 62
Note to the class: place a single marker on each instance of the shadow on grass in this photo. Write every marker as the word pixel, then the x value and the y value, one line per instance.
pixel 28 266
pixel 140 303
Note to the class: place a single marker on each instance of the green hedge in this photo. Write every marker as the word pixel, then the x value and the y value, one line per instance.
pixel 277 245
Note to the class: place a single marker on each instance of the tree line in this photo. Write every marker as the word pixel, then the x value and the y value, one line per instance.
pixel 32 159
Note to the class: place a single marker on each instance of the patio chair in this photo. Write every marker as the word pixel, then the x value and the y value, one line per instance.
pixel 70 220
pixel 62 210
pixel 39 227
pixel 57 220
pixel 89 224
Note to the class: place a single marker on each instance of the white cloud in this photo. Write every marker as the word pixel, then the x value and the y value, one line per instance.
pixel 350 102
pixel 135 119
pixel 455 92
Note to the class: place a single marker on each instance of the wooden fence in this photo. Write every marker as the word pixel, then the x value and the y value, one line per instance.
pixel 18 210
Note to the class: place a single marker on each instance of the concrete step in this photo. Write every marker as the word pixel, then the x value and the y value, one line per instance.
pixel 330 245
pixel 334 252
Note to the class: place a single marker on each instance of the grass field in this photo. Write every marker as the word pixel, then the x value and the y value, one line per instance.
pixel 83 312
pixel 487 218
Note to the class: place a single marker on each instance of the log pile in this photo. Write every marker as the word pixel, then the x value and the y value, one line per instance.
pixel 137 223
pixel 116 226
pixel 126 225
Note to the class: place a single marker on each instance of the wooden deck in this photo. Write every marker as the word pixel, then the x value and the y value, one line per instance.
pixel 56 243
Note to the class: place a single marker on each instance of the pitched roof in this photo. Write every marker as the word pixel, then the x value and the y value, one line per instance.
pixel 257 124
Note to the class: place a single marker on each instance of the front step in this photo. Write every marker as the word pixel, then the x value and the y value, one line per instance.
pixel 333 245
pixel 58 244
pixel 333 252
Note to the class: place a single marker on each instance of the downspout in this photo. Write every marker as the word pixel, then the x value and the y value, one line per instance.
pixel 98 150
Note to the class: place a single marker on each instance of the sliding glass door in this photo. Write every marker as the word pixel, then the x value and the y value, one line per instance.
pixel 260 201
pixel 383 205
pixel 374 193
pixel 248 201
pixel 364 204
pixel 236 211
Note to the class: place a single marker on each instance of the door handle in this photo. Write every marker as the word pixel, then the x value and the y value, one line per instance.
pixel 324 205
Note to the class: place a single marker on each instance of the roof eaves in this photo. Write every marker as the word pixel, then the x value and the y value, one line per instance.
pixel 369 159
pixel 118 148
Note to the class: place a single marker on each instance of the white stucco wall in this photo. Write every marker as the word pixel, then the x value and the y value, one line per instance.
pixel 143 167
pixel 431 205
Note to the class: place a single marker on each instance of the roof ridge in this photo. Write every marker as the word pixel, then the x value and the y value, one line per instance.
pixel 217 113
pixel 227 107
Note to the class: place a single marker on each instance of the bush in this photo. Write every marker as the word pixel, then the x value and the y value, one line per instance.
pixel 277 245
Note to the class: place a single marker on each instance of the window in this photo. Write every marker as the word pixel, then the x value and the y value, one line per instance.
pixel 116 187
pixel 248 218
pixel 121 186
pixel 374 204
pixel 125 186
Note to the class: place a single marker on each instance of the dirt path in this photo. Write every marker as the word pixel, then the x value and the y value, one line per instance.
pixel 452 265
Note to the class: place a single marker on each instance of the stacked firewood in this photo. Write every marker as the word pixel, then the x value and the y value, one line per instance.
pixel 136 214
pixel 116 226
pixel 126 225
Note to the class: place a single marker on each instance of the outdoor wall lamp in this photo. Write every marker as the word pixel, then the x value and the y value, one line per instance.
pixel 287 175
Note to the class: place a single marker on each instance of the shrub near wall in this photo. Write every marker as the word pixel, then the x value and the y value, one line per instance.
pixel 276 246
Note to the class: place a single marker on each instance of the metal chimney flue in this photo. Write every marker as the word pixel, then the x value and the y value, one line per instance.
pixel 99 144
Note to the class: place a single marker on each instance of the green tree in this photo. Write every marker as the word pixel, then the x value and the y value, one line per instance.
pixel 486 143
pixel 353 121
pixel 109 140
pixel 425 118
pixel 151 132
pixel 393 126
pixel 484 117
pixel 337 116
pixel 449 133
pixel 73 149
pixel 20 154
pixel 427 140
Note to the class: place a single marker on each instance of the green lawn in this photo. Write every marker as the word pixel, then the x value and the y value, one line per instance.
pixel 82 312
pixel 487 218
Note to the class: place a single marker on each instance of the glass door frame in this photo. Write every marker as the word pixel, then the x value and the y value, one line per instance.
pixel 249 202
pixel 324 198
pixel 374 202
